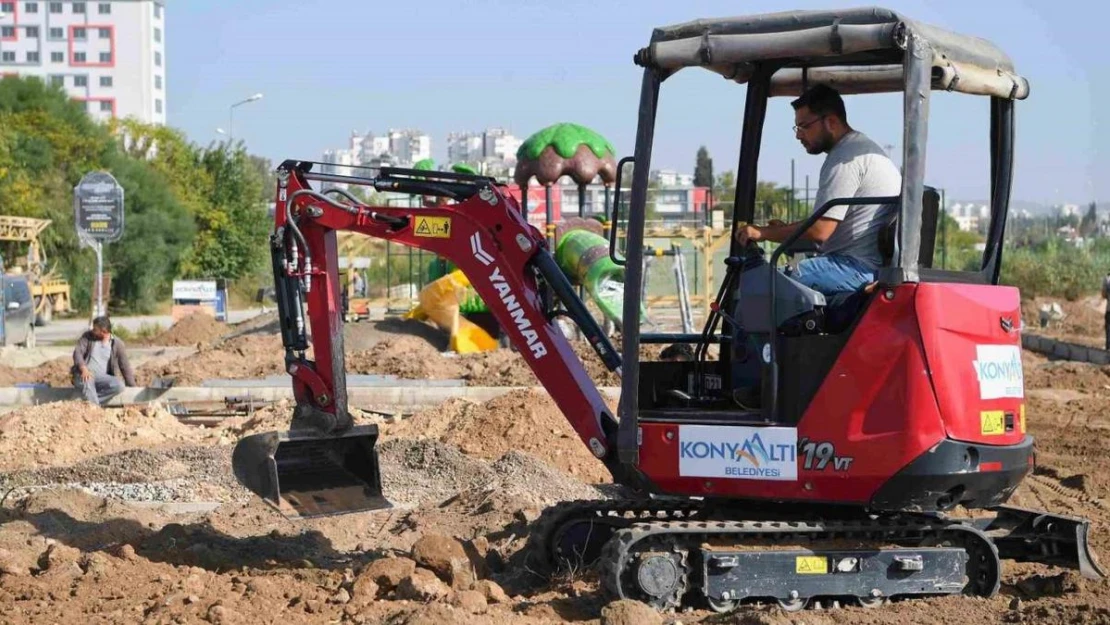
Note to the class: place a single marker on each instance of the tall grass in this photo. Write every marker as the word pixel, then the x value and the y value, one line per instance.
pixel 1056 268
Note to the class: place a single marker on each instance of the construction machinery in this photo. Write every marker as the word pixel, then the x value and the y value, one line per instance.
pixel 865 425
pixel 49 292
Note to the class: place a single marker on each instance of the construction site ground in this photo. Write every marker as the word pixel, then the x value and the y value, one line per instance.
pixel 131 516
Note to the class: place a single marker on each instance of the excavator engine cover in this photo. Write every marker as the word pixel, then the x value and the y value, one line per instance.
pixel 304 474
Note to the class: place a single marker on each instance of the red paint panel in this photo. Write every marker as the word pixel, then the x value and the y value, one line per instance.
pixel 15 23
pixel 974 358
pixel 89 28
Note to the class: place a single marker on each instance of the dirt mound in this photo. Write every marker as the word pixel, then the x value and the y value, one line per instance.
pixel 197 328
pixel 52 373
pixel 407 357
pixel 62 433
pixel 413 358
pixel 265 323
pixel 526 420
pixel 364 335
pixel 276 416
pixel 248 356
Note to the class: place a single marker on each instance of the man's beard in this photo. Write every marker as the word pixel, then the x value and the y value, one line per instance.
pixel 824 143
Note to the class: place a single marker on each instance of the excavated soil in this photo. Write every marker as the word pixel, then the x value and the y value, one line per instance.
pixel 527 421
pixel 242 357
pixel 197 328
pixel 405 349
pixel 87 532
pixel 1083 320
pixel 84 534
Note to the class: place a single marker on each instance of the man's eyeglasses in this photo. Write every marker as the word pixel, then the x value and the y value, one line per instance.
pixel 811 122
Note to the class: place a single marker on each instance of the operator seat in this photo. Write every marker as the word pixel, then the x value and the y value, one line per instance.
pixel 844 308
pixel 798 308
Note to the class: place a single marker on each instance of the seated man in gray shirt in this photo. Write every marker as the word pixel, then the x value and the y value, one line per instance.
pixel 855 166
pixel 98 362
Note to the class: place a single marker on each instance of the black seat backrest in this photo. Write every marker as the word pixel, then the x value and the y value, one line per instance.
pixel 930 212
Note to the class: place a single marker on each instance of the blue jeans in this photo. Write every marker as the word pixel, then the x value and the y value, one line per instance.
pixel 99 389
pixel 834 274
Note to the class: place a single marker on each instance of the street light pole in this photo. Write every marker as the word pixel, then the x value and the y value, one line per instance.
pixel 231 115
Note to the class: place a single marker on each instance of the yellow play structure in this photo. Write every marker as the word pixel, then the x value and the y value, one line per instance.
pixel 439 301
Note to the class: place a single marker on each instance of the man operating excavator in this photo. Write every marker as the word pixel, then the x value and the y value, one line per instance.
pixel 855 166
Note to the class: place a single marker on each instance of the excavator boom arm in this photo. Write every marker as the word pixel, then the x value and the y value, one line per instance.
pixel 484 233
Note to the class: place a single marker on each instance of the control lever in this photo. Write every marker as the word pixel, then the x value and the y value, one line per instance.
pixel 716 307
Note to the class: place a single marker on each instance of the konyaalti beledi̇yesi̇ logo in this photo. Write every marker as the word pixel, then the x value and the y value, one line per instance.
pixel 769 453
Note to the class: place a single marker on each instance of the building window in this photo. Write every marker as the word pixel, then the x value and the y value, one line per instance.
pixel 57 57
pixel 80 81
pixel 30 7
pixel 32 57
pixel 55 7
pixel 80 33
pixel 105 106
pixel 7 7
pixel 57 33
pixel 78 7
pixel 7 31
pixel 79 57
pixel 7 57
pixel 104 8
pixel 158 35
pixel 158 106
pixel 157 11
pixel 32 31
pixel 158 59
pixel 104 33
pixel 105 81
pixel 105 57
pixel 57 81
pixel 158 83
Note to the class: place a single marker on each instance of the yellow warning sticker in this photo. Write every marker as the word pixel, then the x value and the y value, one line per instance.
pixel 811 565
pixel 992 422
pixel 1021 418
pixel 433 227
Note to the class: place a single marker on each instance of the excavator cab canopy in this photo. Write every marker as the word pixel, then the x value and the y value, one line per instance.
pixel 855 51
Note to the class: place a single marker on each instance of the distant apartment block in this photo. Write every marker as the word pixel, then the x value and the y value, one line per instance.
pixel 395 148
pixel 110 55
pixel 492 151
pixel 670 178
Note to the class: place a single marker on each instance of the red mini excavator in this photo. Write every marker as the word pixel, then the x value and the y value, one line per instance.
pixel 821 455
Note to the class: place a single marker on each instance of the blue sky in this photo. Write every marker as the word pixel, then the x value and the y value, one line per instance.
pixel 328 67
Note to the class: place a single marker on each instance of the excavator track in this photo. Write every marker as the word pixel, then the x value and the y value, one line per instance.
pixel 669 553
pixel 670 563
pixel 571 534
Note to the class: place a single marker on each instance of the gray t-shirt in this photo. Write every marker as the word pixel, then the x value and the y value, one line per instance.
pixel 99 356
pixel 857 167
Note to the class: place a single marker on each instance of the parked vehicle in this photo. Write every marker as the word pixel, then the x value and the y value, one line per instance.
pixel 18 322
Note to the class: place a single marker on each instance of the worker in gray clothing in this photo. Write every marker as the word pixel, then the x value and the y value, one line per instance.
pixel 855 166
pixel 99 360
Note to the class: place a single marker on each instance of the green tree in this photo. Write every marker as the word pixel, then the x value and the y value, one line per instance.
pixel 703 169
pixel 158 231
pixel 1089 225
pixel 725 192
pixel 232 223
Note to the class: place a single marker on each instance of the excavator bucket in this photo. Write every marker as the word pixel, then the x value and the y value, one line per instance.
pixel 304 474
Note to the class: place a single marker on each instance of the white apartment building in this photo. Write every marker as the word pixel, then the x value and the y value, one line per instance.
pixel 396 148
pixel 671 178
pixel 110 54
pixel 493 147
